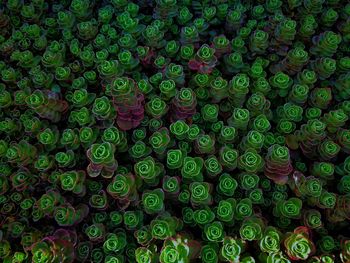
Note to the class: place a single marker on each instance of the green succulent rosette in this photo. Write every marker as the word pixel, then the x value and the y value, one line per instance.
pixel 257 103
pixel 253 140
pixel 5 249
pixel 116 137
pixel 214 231
pixel 345 251
pixel 145 255
pixel 343 139
pixel 169 254
pixel 327 244
pixel 239 119
pixel 326 43
pixel 116 218
pixel 168 89
pixel 203 216
pixel 73 181
pixel 103 109
pixel 109 69
pixel 156 107
pixel 291 112
pixel 65 159
pixel 248 259
pixel 251 162
pixel 298 244
pixel 188 216
pixel 43 252
pixel 44 163
pixel 226 209
pixel 160 140
pixel 212 166
pixel 80 98
pixel 299 93
pixel 327 200
pixel 123 187
pixel 218 86
pixel 101 154
pixel 238 89
pixel 143 236
pixel 192 169
pixel 231 249
pixel 20 180
pixel 227 134
pixel 323 258
pixel 209 253
pixel 312 219
pixel 244 209
pixel 248 181
pixel 179 129
pixel 261 124
pixel 324 67
pixel 252 229
pixel 273 257
pixel 148 170
pixel 49 137
pixel 115 242
pixel 176 73
pixel 102 160
pixel 262 86
pixel 67 215
pixel 47 202
pixel 258 41
pixel 200 193
pixel 145 86
pixel 82 116
pixel 179 248
pixel 285 31
pixel 163 227
pixel 96 232
pixel 153 201
pixel 290 208
pixel 227 185
pixel 228 158
pixel 256 196
pixel 184 196
pixel 270 241
pixel 175 159
pixel 335 119
pixel 281 82
pixel 344 185
pixel 70 139
pixel 139 150
pixel 210 112
pixel 21 153
pixel 133 219
pixel 99 200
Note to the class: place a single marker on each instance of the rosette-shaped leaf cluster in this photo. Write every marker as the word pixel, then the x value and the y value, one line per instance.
pixel 129 102
pixel 278 164
pixel 179 248
pixel 46 104
pixel 123 187
pixel 298 244
pixel 58 247
pixel 102 160
pixel 204 60
pixel 325 44
pixel 310 135
pixel 184 104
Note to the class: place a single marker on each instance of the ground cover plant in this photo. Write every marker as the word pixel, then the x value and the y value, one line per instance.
pixel 174 131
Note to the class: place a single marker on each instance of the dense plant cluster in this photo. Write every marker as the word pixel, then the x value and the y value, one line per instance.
pixel 174 131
